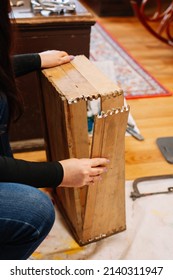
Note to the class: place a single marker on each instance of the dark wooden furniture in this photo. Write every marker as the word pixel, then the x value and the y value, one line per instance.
pixel 35 33
pixel 111 7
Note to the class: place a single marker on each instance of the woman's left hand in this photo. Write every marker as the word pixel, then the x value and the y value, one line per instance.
pixel 54 58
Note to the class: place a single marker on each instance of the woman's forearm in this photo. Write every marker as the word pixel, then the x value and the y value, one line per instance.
pixel 25 63
pixel 36 174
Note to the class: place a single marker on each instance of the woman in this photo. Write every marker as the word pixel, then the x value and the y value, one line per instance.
pixel 26 213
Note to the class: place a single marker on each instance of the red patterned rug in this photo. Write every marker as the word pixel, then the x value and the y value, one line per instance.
pixel 121 67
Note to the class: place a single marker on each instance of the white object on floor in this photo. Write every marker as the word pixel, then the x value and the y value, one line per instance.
pixel 148 235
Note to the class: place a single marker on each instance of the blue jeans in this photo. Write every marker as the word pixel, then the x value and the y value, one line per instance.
pixel 26 217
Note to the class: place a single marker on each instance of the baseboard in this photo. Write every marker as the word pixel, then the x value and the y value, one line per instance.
pixel 28 145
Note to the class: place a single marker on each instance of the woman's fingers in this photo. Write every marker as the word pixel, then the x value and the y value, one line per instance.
pixel 80 172
pixel 65 59
pixel 54 58
pixel 96 171
pixel 99 162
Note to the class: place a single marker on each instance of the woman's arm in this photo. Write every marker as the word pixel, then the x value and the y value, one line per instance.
pixel 36 174
pixel 67 173
pixel 26 63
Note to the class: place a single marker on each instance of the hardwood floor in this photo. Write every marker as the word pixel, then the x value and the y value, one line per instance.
pixel 154 116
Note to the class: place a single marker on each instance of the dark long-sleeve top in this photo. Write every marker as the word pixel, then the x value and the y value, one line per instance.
pixel 25 63
pixel 36 174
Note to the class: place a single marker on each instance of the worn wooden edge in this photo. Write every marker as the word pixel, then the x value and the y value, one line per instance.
pixel 99 81
pixel 65 80
pixel 73 230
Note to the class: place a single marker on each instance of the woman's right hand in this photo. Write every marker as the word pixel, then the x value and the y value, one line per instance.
pixel 80 172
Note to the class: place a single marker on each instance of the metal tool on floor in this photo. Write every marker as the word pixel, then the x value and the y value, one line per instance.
pixel 131 130
pixel 137 194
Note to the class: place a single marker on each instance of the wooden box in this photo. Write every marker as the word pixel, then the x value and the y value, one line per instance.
pixel 94 211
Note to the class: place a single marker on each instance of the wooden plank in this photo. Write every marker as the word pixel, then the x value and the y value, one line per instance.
pixel 55 122
pixel 77 129
pixel 75 81
pixel 116 183
pixel 69 82
pixel 111 102
pixel 92 192
pixel 95 77
pixel 68 136
pixel 77 135
pixel 105 206
pixel 77 138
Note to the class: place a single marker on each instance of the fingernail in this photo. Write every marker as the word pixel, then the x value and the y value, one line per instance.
pixel 72 57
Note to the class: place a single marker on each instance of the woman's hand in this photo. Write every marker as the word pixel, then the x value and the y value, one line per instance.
pixel 54 58
pixel 80 172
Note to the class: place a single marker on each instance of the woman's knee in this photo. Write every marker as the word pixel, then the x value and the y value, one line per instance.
pixel 27 205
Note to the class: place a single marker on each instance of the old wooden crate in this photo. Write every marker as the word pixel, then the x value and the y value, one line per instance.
pixel 94 211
